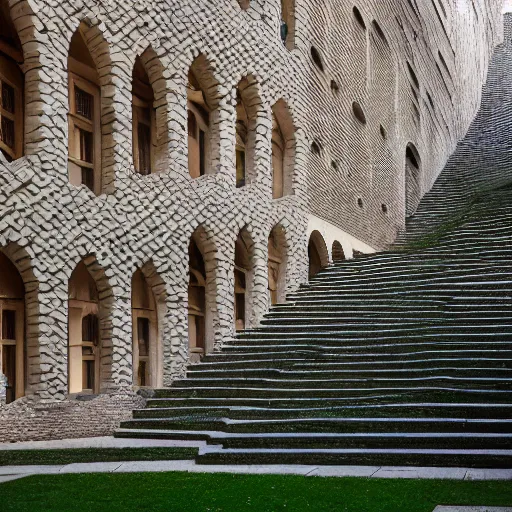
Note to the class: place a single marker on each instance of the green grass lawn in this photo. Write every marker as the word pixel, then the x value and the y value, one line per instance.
pixel 185 492
pixel 69 456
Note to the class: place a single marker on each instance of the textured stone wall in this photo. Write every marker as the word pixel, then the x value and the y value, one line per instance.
pixel 47 226
pixel 417 69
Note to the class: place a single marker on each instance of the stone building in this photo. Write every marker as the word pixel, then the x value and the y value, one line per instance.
pixel 170 169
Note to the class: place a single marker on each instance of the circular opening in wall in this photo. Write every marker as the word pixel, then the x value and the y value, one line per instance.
pixel 335 88
pixel 431 101
pixel 315 55
pixel 383 132
pixel 379 31
pixel 316 148
pixel 384 208
pixel 360 202
pixel 358 112
pixel 359 17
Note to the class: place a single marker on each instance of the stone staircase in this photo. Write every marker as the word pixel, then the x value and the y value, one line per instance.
pixel 399 358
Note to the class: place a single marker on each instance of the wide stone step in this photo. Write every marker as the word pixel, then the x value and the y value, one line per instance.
pixel 234 408
pixel 356 392
pixel 321 425
pixel 366 457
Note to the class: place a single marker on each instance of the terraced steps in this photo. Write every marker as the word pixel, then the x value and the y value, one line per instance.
pixel 397 358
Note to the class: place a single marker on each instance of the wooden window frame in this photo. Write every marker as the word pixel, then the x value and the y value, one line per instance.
pixel 18 306
pixel 139 103
pixel 76 121
pixel 11 74
pixel 202 136
pixel 151 359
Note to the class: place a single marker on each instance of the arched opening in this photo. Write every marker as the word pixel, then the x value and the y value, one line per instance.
pixel 12 331
pixel 317 253
pixel 359 17
pixel 359 112
pixel 243 279
pixel 202 102
pixel 84 343
pixel 338 254
pixel 143 120
pixel 201 295
pixel 11 87
pixel 283 150
pixel 149 114
pixel 145 333
pixel 248 104
pixel 412 180
pixel 84 118
pixel 317 59
pixel 288 23
pixel 277 259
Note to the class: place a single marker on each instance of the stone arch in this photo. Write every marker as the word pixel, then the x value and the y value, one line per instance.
pixel 277 264
pixel 21 260
pixel 149 309
pixel 413 176
pixel 283 150
pixel 90 294
pixel 244 279
pixel 318 253
pixel 155 106
pixel 88 41
pixel 202 302
pixel 338 254
pixel 203 118
pixel 250 116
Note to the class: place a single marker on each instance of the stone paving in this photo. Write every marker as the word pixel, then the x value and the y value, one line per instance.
pixel 11 472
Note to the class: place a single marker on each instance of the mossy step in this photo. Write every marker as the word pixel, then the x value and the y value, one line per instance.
pixel 376 457
pixel 320 425
pixel 240 409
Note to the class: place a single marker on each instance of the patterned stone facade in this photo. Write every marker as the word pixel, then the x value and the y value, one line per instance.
pixel 354 88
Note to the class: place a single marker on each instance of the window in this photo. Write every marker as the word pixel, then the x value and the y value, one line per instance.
pixel 278 150
pixel 144 120
pixel 90 336
pixel 242 132
pixel 287 29
pixel 11 109
pixel 84 158
pixel 198 127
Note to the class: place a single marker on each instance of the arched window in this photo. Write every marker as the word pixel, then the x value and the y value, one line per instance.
pixel 412 180
pixel 12 325
pixel 317 253
pixel 242 134
pixel 11 88
pixel 84 158
pixel 144 120
pixel 283 150
pixel 277 258
pixel 84 353
pixel 338 254
pixel 200 109
pixel 145 332
pixel 243 279
pixel 196 302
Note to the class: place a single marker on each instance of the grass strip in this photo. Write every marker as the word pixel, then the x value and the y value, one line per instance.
pixel 191 492
pixel 72 455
